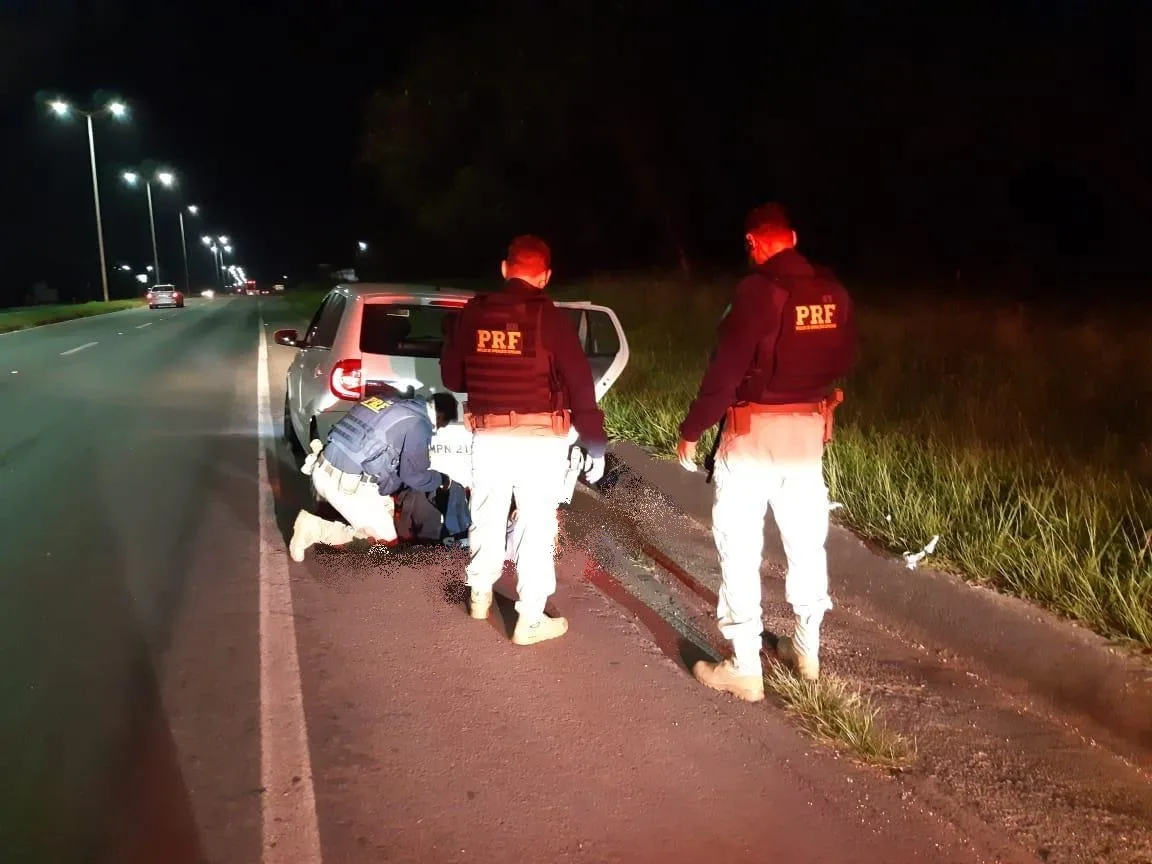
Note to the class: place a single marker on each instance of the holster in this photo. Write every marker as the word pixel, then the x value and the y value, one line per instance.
pixel 738 418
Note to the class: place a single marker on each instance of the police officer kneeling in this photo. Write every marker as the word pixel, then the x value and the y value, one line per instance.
pixel 377 449
pixel 788 335
pixel 519 359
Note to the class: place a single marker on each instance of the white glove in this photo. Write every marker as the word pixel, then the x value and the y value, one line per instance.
pixel 593 468
pixel 310 462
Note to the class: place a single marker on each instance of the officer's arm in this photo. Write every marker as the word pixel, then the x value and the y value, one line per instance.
pixel 415 468
pixel 754 312
pixel 575 375
pixel 452 359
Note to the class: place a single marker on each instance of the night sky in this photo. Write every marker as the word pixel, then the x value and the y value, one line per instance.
pixel 1014 147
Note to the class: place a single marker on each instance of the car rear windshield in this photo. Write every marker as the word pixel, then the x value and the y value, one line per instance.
pixel 405 330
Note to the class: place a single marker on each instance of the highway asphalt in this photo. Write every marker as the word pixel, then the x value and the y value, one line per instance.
pixel 173 689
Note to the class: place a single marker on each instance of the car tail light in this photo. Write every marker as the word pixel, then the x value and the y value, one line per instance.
pixel 346 380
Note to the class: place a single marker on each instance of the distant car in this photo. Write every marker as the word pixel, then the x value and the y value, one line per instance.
pixel 165 295
pixel 207 293
pixel 277 287
pixel 381 339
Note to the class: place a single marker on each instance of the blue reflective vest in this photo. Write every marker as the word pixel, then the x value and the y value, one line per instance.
pixel 370 438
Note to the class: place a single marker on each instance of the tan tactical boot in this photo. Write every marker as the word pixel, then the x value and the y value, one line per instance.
pixel 724 677
pixel 805 665
pixel 481 603
pixel 305 532
pixel 541 630
pixel 802 651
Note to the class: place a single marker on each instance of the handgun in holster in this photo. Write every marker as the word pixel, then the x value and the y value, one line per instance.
pixel 710 459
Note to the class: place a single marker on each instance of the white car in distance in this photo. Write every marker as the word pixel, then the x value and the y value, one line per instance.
pixel 165 295
pixel 384 339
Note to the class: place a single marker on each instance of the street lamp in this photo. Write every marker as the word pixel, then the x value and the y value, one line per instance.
pixel 164 178
pixel 195 211
pixel 217 263
pixel 362 246
pixel 118 110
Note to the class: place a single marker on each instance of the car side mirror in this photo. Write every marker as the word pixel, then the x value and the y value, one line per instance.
pixel 286 337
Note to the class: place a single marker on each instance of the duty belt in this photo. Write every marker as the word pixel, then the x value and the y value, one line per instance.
pixel 345 481
pixel 739 416
pixel 558 421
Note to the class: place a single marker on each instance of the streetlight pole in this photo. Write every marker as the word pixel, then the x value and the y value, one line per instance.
pixel 167 179
pixel 96 198
pixel 194 210
pixel 117 109
pixel 152 225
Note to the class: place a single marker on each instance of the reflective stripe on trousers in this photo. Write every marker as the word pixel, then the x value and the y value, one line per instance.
pixel 369 514
pixel 531 464
pixel 778 464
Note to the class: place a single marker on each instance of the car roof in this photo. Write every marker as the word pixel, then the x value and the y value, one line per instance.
pixel 164 285
pixel 385 290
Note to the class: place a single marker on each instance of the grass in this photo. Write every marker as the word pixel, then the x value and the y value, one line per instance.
pixel 34 316
pixel 1023 441
pixel 830 711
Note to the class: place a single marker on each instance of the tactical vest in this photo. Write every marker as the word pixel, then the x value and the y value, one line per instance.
pixel 506 364
pixel 793 361
pixel 360 439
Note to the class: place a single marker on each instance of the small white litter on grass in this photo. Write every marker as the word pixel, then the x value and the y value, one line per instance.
pixel 912 559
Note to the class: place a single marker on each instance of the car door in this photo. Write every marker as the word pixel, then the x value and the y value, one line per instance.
pixel 311 367
pixel 606 347
pixel 604 342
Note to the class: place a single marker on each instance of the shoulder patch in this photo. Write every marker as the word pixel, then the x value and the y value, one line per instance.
pixel 376 404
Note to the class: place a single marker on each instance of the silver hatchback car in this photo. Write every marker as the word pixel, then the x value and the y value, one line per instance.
pixel 368 339
pixel 165 295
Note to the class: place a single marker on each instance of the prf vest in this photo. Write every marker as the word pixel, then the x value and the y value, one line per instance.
pixel 507 367
pixel 793 361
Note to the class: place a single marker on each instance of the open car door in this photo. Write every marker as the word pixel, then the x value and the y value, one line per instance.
pixel 606 348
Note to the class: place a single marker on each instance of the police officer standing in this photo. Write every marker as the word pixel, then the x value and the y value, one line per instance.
pixel 519 359
pixel 379 448
pixel 788 335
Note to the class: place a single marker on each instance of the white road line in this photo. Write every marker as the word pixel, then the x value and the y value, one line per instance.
pixel 78 348
pixel 291 826
pixel 142 326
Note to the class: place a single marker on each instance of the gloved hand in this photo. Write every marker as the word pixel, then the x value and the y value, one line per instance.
pixel 310 462
pixel 593 468
pixel 686 455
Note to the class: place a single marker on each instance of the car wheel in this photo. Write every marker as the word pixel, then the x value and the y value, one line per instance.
pixel 290 431
pixel 150 306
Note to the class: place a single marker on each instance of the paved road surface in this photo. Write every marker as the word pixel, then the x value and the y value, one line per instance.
pixel 148 694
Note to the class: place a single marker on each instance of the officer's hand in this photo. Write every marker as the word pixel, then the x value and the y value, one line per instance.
pixel 593 468
pixel 686 453
pixel 315 449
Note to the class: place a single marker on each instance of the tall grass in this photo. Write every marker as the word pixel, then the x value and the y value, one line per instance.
pixel 1022 440
pixel 23 317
